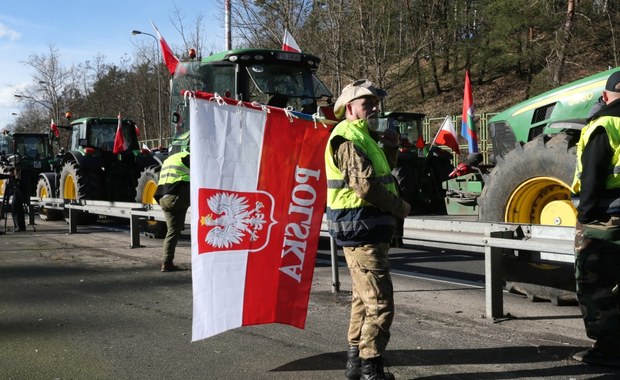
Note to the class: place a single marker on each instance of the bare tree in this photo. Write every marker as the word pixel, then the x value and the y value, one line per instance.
pixel 52 88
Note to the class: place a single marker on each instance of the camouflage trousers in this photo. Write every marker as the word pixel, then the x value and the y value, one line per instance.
pixel 372 303
pixel 597 272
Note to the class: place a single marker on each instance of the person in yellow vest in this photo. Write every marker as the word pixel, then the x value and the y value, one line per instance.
pixel 597 260
pixel 172 194
pixel 362 204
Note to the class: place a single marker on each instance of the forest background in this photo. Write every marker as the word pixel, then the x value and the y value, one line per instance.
pixel 418 50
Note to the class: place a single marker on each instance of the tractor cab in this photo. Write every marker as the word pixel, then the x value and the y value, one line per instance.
pixel 99 133
pixel 30 152
pixel 419 172
pixel 269 77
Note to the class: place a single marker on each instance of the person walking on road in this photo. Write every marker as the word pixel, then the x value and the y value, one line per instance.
pixel 362 204
pixel 597 234
pixel 173 195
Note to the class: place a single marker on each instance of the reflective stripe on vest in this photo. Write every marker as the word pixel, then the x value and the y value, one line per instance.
pixel 350 217
pixel 173 170
pixel 612 127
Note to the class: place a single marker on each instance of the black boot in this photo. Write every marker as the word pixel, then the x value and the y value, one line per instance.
pixel 353 363
pixel 372 369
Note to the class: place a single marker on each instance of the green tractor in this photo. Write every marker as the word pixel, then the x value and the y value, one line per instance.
pixel 534 153
pixel 92 169
pixel 269 77
pixel 420 170
pixel 31 152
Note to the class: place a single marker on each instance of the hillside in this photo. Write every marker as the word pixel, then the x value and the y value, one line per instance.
pixel 491 95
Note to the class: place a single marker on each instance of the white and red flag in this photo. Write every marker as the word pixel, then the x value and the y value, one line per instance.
pixel 170 60
pixel 120 145
pixel 447 135
pixel 257 201
pixel 289 43
pixel 54 128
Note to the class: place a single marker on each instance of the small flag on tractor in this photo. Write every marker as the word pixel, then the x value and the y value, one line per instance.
pixel 119 140
pixel 170 60
pixel 289 43
pixel 447 135
pixel 54 129
pixel 468 128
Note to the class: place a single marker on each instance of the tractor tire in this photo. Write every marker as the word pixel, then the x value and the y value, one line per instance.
pixel 523 182
pixel 77 183
pixel 145 192
pixel 45 190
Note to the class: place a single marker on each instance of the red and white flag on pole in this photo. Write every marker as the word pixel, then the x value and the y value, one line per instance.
pixel 447 135
pixel 120 145
pixel 289 43
pixel 170 60
pixel 257 201
pixel 54 129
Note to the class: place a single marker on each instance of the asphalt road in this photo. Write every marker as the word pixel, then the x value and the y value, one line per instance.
pixel 85 306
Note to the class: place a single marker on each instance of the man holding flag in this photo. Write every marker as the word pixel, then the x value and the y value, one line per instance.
pixel 362 203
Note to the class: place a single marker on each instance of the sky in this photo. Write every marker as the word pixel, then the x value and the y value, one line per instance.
pixel 83 29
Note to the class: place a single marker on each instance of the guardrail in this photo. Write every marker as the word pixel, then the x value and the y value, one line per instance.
pixel 552 243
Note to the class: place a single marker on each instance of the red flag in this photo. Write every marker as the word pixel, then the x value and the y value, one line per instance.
pixel 170 60
pixel 289 43
pixel 447 135
pixel 257 212
pixel 54 129
pixel 468 128
pixel 119 140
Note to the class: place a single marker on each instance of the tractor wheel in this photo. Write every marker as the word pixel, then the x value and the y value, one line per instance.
pixel 44 190
pixel 531 185
pixel 77 183
pixel 145 194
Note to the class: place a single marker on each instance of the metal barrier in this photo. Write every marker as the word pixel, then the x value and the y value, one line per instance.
pixel 553 244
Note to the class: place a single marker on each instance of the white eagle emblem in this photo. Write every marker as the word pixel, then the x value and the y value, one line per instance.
pixel 235 220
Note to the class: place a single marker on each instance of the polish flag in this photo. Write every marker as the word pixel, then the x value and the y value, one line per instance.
pixel 257 201
pixel 170 60
pixel 447 135
pixel 119 140
pixel 54 129
pixel 289 43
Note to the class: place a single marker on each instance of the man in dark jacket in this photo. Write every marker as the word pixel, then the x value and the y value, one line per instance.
pixel 19 189
pixel 597 234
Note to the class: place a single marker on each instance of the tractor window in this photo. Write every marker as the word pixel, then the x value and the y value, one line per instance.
pixel 195 76
pixel 78 131
pixel 284 85
pixel 103 132
pixel 6 142
pixel 409 127
pixel 102 135
pixel 32 147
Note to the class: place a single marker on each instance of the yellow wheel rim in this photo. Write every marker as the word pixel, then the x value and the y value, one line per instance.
pixel 559 213
pixel 541 200
pixel 148 195
pixel 43 193
pixel 70 190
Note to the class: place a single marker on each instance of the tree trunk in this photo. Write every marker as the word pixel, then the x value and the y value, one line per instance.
pixel 566 36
